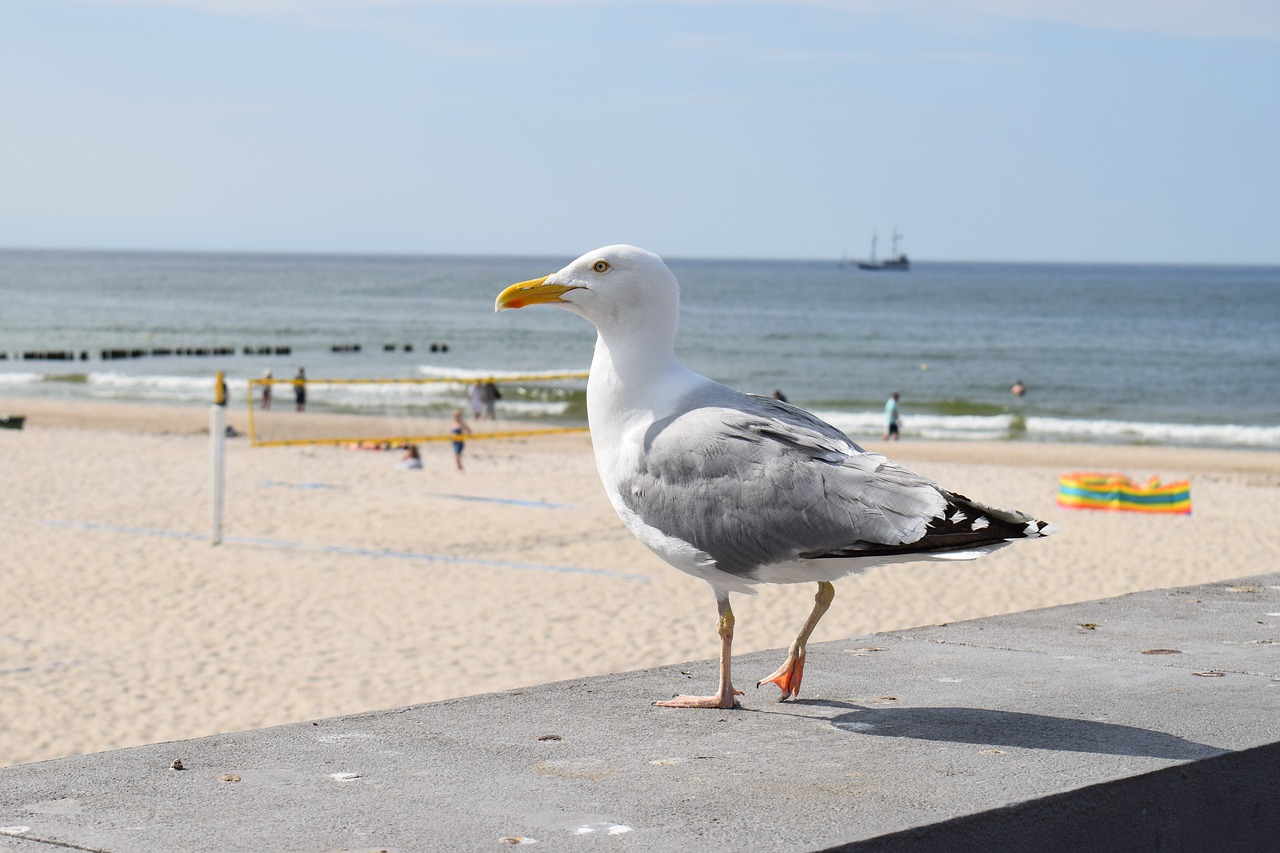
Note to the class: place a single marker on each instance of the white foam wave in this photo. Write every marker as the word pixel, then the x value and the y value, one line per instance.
pixel 854 424
pixel 377 394
pixel 468 375
pixel 996 427
pixel 949 427
pixel 1236 435
pixel 20 378
pixel 531 408
pixel 153 387
pixel 199 388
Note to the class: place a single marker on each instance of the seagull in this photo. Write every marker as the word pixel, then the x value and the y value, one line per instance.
pixel 739 489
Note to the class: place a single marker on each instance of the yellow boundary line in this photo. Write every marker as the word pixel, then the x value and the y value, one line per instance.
pixel 477 436
pixel 418 439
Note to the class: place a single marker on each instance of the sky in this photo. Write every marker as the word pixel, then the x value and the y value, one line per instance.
pixel 1005 130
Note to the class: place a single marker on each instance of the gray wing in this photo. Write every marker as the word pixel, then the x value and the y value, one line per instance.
pixel 752 481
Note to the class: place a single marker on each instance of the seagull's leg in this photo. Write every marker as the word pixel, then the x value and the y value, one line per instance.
pixel 790 673
pixel 725 697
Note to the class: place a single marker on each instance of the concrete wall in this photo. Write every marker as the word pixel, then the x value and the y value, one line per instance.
pixel 1021 732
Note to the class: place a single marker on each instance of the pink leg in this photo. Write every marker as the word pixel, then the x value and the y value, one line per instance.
pixel 725 697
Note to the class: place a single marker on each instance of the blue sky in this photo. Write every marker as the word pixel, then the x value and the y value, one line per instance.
pixel 1076 130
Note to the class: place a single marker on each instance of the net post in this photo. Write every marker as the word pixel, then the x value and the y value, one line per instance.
pixel 218 456
pixel 253 433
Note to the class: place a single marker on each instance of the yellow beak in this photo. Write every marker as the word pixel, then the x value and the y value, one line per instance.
pixel 533 292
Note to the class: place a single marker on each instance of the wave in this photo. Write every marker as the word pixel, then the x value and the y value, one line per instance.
pixel 949 427
pixel 18 379
pixel 547 394
pixel 1010 426
pixel 520 400
pixel 1225 435
pixel 153 387
pixel 520 409
pixel 471 374
pixel 525 393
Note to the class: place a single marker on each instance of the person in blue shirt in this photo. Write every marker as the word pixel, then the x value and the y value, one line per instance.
pixel 893 418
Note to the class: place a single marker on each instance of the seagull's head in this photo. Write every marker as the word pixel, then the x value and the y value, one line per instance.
pixel 615 288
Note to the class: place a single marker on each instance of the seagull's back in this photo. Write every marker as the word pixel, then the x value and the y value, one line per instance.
pixel 739 490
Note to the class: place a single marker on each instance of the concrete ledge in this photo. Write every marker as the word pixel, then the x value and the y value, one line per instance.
pixel 1048 730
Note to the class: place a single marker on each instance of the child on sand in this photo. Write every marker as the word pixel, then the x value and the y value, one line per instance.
pixel 458 429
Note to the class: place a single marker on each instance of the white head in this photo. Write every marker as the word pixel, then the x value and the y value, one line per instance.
pixel 625 292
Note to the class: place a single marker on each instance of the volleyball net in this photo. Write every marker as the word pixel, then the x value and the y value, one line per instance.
pixel 388 413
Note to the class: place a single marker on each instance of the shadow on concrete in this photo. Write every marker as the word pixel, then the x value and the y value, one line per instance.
pixel 1027 731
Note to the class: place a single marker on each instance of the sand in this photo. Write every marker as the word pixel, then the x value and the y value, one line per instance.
pixel 345 584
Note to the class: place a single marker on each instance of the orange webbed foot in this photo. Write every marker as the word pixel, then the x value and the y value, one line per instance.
pixel 787 678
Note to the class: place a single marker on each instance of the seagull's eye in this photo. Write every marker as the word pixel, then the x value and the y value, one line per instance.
pixel 600 266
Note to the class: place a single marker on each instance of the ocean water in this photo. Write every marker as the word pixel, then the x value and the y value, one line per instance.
pixel 1179 355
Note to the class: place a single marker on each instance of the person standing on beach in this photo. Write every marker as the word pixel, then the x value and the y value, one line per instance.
pixel 266 389
pixel 893 417
pixel 458 429
pixel 489 396
pixel 300 390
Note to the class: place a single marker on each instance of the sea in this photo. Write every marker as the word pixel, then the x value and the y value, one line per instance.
pixel 1120 354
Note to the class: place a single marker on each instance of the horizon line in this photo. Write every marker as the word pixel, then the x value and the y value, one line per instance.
pixel 405 254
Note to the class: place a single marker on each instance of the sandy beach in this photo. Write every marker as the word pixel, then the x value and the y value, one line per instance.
pixel 345 584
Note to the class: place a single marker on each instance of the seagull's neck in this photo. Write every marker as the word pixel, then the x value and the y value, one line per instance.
pixel 633 382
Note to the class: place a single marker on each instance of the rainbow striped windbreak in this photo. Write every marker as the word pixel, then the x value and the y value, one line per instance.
pixel 1118 492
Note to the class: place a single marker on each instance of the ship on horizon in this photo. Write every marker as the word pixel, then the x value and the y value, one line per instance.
pixel 896 261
